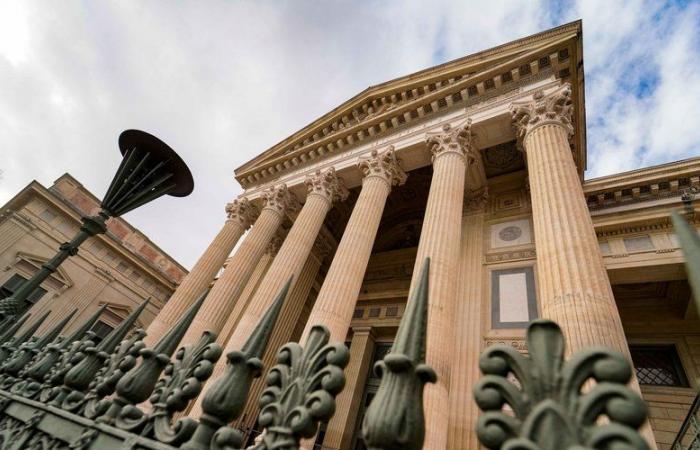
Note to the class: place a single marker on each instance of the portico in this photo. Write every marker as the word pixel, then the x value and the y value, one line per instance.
pixel 477 164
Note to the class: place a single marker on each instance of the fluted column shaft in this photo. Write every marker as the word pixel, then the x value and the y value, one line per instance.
pixel 202 274
pixel 468 337
pixel 336 300
pixel 573 283
pixel 223 295
pixel 440 240
pixel 574 287
pixel 288 318
pixel 342 426
pixel 248 292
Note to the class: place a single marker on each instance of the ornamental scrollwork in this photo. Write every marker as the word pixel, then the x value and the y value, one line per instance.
pixel 241 211
pixel 327 184
pixel 301 390
pixel 384 165
pixel 555 107
pixel 182 381
pixel 557 404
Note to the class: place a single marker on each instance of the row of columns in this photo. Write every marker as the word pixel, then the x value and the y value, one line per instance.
pixel 573 284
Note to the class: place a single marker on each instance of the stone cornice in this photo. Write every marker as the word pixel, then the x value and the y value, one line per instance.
pixel 667 184
pixel 384 111
pixel 412 134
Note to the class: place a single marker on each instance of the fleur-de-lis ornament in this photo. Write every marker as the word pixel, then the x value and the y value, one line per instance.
pixel 557 406
pixel 301 390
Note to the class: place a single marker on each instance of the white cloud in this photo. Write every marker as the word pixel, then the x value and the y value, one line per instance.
pixel 222 81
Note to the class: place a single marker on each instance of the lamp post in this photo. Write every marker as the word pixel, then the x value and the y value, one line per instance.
pixel 149 169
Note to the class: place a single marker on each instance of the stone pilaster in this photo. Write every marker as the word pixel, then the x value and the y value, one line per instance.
pixel 240 214
pixel 468 332
pixel 323 189
pixel 336 300
pixel 574 287
pixel 223 295
pixel 342 426
pixel 440 239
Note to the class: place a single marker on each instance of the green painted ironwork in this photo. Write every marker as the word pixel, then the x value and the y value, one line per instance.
pixel 225 399
pixel 554 403
pixel 688 437
pixel 394 419
pixel 690 243
pixel 149 169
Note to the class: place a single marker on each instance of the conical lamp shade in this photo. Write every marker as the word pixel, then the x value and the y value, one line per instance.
pixel 150 169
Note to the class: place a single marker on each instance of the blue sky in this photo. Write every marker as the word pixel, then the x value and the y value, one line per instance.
pixel 221 81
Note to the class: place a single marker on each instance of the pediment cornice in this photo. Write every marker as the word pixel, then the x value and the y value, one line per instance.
pixel 384 108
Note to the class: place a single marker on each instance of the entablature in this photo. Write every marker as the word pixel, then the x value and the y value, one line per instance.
pixel 491 123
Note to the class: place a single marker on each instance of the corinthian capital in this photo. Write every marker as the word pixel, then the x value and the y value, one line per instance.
pixel 458 140
pixel 280 200
pixel 554 107
pixel 385 166
pixel 241 211
pixel 327 184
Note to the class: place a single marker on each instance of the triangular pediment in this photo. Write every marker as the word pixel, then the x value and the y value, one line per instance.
pixel 35 261
pixel 387 106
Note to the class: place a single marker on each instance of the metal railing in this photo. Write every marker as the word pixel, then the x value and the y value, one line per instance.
pixel 688 437
pixel 71 393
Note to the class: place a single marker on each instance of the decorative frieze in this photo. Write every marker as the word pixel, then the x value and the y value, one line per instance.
pixel 280 199
pixel 458 140
pixel 553 108
pixel 242 211
pixel 327 184
pixel 384 165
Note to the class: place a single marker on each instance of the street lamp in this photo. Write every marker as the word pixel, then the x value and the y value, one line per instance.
pixel 149 169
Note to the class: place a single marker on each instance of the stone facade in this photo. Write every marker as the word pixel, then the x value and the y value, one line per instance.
pixel 119 269
pixel 478 164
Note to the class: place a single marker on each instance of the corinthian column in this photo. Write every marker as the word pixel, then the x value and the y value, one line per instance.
pixel 336 299
pixel 223 295
pixel 440 239
pixel 573 283
pixel 323 189
pixel 240 215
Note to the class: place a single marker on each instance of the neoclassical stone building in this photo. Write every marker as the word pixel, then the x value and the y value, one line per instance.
pixel 478 164
pixel 117 270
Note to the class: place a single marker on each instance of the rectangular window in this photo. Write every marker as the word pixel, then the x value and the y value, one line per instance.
pixel 658 365
pixel 13 284
pixel 101 330
pixel 513 302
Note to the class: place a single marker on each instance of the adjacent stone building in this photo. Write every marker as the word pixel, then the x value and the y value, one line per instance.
pixel 119 269
pixel 478 164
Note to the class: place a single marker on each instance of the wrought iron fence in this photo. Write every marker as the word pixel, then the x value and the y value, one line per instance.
pixel 688 437
pixel 72 393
